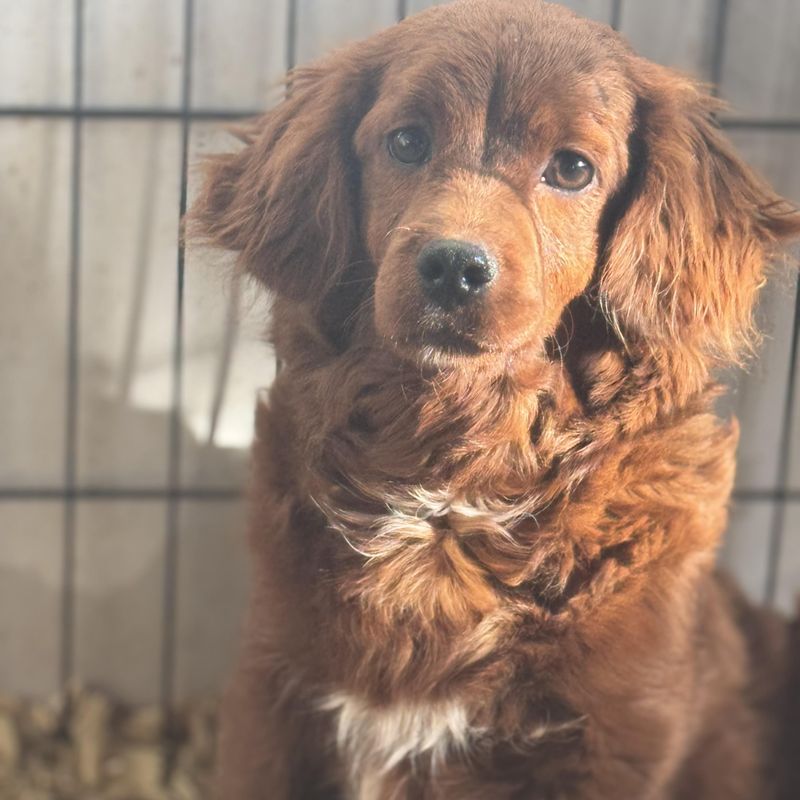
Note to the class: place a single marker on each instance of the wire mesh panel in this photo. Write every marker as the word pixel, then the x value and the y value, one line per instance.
pixel 133 366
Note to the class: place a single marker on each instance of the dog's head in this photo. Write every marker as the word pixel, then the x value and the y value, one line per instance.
pixel 462 177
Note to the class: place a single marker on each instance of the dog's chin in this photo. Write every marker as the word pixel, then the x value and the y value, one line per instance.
pixel 442 344
pixel 452 343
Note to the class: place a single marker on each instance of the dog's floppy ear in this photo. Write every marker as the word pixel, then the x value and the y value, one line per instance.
pixel 693 229
pixel 286 201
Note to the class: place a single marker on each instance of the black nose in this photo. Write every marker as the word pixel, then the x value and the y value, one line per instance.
pixel 454 273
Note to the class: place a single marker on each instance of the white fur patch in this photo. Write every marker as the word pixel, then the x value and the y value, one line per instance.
pixel 410 520
pixel 373 740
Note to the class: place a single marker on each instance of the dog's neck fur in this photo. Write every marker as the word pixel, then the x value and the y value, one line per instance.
pixel 499 428
pixel 502 484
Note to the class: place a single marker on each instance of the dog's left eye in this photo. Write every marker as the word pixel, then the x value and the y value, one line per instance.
pixel 409 145
pixel 569 171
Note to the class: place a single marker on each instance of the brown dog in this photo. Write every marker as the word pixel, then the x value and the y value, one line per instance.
pixel 507 255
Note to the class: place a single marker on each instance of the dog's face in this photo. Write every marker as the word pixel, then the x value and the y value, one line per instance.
pixel 462 177
pixel 486 163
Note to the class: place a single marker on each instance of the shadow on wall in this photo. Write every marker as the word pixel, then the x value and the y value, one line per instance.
pixel 126 313
pixel 120 594
pixel 120 602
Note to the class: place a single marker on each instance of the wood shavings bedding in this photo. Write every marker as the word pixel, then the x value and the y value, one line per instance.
pixel 84 746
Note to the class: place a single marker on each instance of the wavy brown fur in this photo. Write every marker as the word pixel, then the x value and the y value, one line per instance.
pixel 490 575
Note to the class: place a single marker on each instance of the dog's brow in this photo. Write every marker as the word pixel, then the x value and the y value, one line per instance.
pixel 502 130
pixel 494 110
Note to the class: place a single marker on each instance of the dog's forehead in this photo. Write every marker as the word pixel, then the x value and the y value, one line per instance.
pixel 516 66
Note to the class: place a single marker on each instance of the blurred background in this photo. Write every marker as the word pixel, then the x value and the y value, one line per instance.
pixel 129 368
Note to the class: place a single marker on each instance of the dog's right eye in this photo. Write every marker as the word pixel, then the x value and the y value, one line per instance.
pixel 409 145
pixel 569 171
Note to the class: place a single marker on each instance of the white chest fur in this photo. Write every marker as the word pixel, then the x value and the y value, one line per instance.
pixel 373 740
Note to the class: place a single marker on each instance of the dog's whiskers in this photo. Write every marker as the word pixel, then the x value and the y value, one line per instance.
pixel 407 228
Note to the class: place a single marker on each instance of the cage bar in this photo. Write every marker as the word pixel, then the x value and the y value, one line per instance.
pixel 616 14
pixel 718 46
pixel 169 611
pixel 67 645
pixel 778 528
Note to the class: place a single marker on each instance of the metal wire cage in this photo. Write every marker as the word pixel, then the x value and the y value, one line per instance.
pixel 78 516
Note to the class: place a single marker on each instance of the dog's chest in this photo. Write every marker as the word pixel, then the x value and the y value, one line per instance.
pixel 372 741
pixel 432 557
